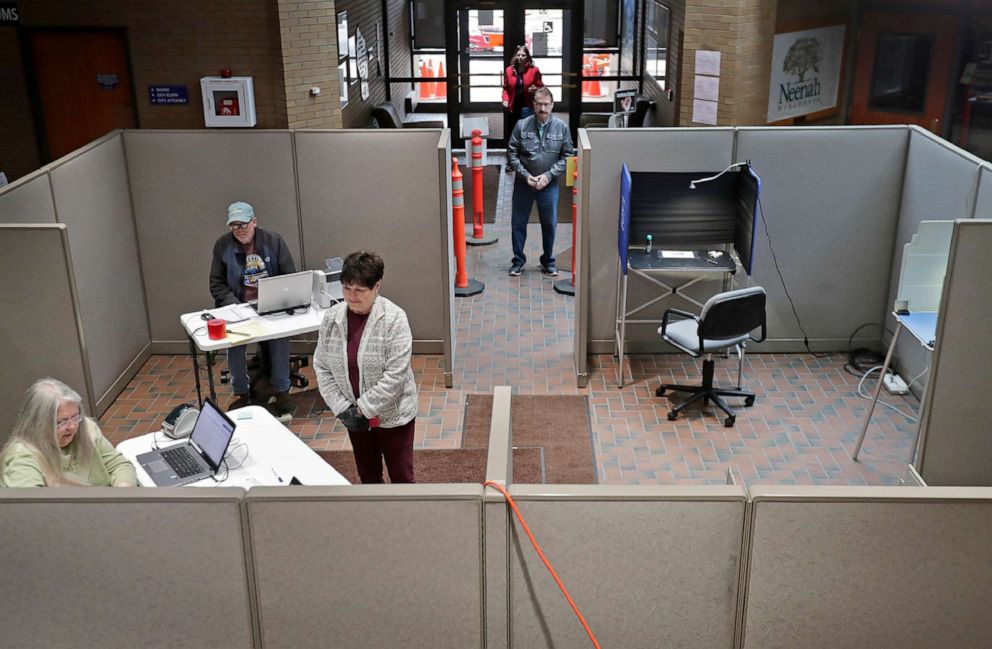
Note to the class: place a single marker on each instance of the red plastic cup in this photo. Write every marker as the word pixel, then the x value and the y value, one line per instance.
pixel 216 329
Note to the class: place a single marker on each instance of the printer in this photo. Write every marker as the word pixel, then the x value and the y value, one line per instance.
pixel 327 283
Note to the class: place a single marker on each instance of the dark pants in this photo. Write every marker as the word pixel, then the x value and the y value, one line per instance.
pixel 524 197
pixel 395 445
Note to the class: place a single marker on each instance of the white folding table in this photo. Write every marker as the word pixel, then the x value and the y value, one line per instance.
pixel 263 453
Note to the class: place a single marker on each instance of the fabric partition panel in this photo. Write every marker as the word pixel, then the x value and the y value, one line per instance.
pixel 648 566
pixel 580 343
pixel 643 149
pixel 449 347
pixel 368 566
pixel 983 203
pixel 941 184
pixel 499 468
pixel 830 203
pixel 40 336
pixel 852 567
pixel 92 199
pixel 123 568
pixel 956 444
pixel 28 200
pixel 182 183
pixel 378 190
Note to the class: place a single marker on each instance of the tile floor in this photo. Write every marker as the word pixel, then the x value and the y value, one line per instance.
pixel 519 333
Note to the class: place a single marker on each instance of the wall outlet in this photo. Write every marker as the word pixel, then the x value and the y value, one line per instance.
pixel 894 384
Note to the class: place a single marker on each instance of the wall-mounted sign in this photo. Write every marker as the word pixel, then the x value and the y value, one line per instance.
pixel 805 72
pixel 168 94
pixel 107 81
pixel 9 14
pixel 361 54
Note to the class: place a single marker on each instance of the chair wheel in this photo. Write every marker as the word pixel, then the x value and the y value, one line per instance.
pixel 729 421
pixel 748 402
pixel 660 391
pixel 304 382
pixel 672 415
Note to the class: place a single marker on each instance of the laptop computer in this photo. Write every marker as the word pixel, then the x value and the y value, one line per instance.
pixel 284 293
pixel 197 459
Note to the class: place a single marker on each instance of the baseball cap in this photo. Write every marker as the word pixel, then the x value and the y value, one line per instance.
pixel 239 212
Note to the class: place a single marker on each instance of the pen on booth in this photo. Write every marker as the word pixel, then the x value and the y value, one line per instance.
pixel 276 475
pixel 712 261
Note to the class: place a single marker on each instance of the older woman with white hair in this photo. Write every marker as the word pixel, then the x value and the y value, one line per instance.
pixel 54 444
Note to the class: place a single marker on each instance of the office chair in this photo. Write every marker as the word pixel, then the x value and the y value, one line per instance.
pixel 727 320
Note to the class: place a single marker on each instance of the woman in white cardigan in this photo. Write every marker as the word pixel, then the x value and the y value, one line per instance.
pixel 363 371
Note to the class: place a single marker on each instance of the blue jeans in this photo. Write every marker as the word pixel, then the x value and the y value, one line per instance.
pixel 278 352
pixel 547 209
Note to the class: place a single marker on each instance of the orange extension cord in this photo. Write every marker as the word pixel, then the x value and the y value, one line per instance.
pixel 547 564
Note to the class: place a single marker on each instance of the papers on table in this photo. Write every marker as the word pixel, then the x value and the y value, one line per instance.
pixel 234 313
pixel 676 254
pixel 247 330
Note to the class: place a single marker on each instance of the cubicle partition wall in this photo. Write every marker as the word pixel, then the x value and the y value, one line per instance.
pixel 40 333
pixel 368 566
pixel 92 199
pixel 87 191
pixel 373 190
pixel 647 566
pixel 123 568
pixel 956 438
pixel 182 183
pixel 941 184
pixel 983 200
pixel 854 567
pixel 830 204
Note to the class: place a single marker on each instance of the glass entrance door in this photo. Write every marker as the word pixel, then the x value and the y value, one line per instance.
pixel 487 36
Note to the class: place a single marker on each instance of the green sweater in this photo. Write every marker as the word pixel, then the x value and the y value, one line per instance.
pixel 106 467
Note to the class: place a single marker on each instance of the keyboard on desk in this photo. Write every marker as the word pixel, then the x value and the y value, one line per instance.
pixel 181 461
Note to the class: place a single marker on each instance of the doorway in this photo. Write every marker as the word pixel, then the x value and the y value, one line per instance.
pixel 903 68
pixel 487 34
pixel 80 84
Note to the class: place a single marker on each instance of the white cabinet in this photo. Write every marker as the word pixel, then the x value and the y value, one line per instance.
pixel 228 102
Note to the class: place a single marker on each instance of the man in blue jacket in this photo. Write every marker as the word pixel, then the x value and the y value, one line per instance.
pixel 241 257
pixel 538 150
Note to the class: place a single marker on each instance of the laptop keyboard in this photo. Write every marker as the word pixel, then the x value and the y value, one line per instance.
pixel 181 461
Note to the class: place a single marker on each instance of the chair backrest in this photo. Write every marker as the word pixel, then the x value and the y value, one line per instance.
pixel 636 119
pixel 733 313
pixel 387 117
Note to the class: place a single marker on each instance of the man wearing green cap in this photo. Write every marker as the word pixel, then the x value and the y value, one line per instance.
pixel 243 256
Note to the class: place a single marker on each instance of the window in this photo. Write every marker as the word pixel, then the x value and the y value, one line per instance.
pixel 427 47
pixel 343 58
pixel 600 50
pixel 656 36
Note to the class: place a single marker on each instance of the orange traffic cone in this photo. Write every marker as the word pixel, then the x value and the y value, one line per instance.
pixel 585 73
pixel 424 89
pixel 431 86
pixel 441 89
pixel 594 89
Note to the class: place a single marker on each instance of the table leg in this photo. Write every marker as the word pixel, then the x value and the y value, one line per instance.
pixel 623 331
pixel 878 390
pixel 210 375
pixel 194 354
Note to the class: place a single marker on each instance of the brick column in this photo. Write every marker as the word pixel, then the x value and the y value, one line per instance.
pixel 308 33
pixel 743 31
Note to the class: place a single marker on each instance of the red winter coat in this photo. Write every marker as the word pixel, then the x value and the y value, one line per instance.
pixel 532 77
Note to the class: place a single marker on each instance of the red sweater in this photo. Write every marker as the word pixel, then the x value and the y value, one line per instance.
pixel 532 77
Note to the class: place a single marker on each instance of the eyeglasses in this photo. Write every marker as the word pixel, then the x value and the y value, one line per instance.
pixel 238 226
pixel 63 424
pixel 544 104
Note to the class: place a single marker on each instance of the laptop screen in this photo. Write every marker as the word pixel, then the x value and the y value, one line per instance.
pixel 212 433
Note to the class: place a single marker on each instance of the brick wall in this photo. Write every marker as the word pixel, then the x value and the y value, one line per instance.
pixel 363 15
pixel 169 43
pixel 309 57
pixel 743 31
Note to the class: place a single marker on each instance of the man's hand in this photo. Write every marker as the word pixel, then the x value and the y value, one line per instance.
pixel 353 420
pixel 542 181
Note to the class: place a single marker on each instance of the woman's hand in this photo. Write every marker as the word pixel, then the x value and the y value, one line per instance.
pixel 506 104
pixel 531 88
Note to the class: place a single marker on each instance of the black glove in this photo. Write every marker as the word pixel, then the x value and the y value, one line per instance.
pixel 353 420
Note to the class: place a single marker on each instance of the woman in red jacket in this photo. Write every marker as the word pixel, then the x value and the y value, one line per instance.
pixel 522 78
